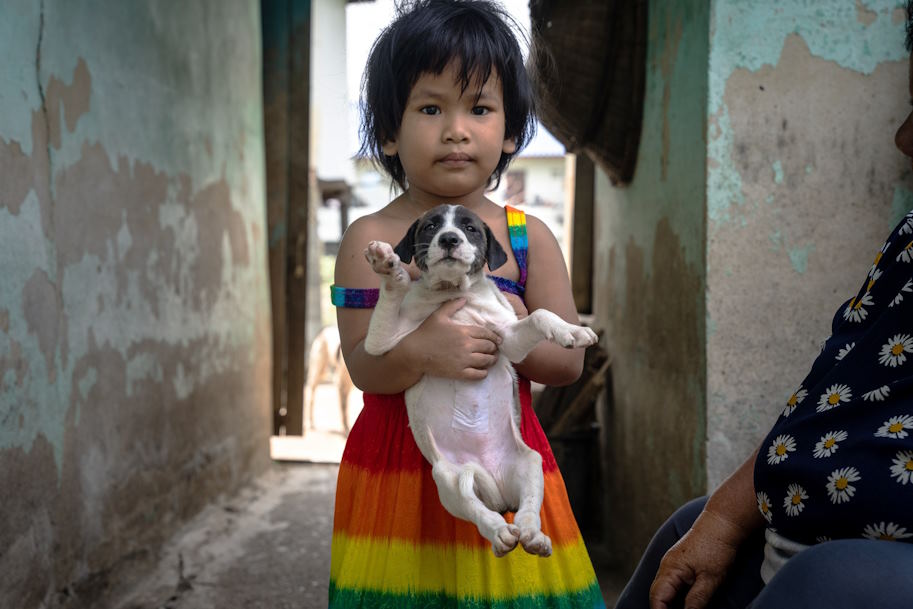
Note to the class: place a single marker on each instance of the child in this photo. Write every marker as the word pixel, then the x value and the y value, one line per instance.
pixel 447 104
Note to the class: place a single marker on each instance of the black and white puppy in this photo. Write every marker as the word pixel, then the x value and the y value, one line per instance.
pixel 468 430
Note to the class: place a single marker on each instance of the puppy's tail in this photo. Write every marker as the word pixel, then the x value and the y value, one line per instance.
pixel 475 479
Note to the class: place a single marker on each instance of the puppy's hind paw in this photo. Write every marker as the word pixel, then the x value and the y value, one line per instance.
pixel 506 540
pixel 534 541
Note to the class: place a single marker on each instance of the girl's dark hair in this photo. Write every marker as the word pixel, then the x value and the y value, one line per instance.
pixel 424 38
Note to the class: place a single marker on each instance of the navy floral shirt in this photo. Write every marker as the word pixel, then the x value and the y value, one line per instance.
pixel 838 463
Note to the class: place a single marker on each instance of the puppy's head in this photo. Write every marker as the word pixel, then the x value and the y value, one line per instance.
pixel 449 242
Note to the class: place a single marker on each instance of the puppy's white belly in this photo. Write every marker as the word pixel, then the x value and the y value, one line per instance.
pixel 470 421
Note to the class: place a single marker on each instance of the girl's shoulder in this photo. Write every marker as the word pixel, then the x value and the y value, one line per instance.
pixel 544 255
pixel 352 270
pixel 377 226
pixel 538 233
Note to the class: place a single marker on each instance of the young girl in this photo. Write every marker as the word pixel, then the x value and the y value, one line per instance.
pixel 447 104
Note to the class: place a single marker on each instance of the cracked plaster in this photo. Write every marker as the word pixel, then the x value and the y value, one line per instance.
pixel 803 182
pixel 134 313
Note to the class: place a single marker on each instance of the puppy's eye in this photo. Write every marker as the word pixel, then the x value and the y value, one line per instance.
pixel 430 227
pixel 469 228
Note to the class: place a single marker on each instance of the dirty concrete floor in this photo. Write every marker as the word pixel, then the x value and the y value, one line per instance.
pixel 267 548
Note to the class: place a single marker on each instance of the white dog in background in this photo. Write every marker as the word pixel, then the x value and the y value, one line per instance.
pixel 325 360
pixel 469 430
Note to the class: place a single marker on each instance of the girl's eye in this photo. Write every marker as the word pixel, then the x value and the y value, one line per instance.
pixel 480 111
pixel 430 110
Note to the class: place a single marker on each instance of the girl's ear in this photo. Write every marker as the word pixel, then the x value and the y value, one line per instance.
pixel 390 147
pixel 510 146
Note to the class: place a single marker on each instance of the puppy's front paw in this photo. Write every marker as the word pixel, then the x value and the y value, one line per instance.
pixel 506 540
pixel 583 337
pixel 381 257
pixel 570 336
pixel 385 262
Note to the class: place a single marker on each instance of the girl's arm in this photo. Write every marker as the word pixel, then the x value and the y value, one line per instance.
pixel 438 347
pixel 548 287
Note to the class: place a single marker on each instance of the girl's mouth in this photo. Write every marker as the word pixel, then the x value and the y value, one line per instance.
pixel 456 159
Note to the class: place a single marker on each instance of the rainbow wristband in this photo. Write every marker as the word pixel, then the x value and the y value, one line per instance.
pixel 354 298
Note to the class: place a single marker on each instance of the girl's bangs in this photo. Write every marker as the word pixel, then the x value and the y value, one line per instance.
pixel 471 50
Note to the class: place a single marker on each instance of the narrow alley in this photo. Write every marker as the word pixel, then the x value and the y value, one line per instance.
pixel 266 548
pixel 718 176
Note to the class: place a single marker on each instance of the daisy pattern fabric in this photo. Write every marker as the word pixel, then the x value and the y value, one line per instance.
pixel 838 463
pixel 394 544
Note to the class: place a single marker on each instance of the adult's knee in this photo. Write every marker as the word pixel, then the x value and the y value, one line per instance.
pixel 844 573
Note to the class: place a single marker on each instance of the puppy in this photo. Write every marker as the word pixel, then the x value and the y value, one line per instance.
pixel 468 430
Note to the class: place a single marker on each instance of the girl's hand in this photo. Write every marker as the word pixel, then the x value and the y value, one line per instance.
pixel 517 303
pixel 442 347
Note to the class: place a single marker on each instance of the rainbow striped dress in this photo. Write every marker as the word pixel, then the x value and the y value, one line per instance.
pixel 394 545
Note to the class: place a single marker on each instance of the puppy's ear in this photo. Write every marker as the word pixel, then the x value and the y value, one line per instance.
pixel 495 253
pixel 405 248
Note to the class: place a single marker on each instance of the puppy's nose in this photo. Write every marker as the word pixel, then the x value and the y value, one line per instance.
pixel 448 241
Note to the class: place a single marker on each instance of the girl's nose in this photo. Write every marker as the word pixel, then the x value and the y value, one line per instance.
pixel 455 130
pixel 903 139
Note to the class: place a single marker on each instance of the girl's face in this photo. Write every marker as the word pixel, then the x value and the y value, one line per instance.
pixel 450 142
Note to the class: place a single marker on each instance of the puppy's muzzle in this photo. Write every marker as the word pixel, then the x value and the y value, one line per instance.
pixel 449 241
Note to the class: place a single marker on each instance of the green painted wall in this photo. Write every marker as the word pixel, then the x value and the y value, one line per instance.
pixel 649 290
pixel 134 313
pixel 766 181
pixel 803 185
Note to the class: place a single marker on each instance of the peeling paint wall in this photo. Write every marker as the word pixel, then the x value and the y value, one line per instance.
pixel 766 181
pixel 134 311
pixel 649 290
pixel 803 185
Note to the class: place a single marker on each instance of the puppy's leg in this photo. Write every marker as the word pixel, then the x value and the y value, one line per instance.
pixel 383 330
pixel 521 336
pixel 455 489
pixel 524 483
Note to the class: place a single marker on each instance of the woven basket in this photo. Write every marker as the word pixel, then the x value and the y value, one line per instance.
pixel 588 64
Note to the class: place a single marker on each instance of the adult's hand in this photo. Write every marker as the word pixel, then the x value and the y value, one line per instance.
pixel 696 565
pixel 444 348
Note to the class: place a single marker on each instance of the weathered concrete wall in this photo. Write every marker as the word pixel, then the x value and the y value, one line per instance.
pixel 804 184
pixel 649 289
pixel 134 313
